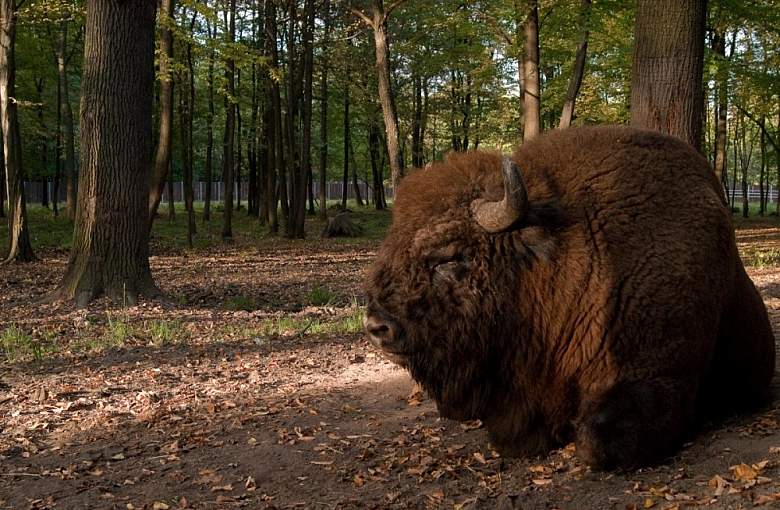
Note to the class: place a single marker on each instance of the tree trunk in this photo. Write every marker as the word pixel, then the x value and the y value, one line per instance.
pixel 719 47
pixel 270 120
pixel 575 81
pixel 666 86
pixel 110 251
pixel 762 170
pixel 239 148
pixel 417 158
pixel 378 23
pixel 777 161
pixel 19 247
pixel 532 101
pixel 306 117
pixel 323 175
pixel 44 147
pixel 374 148
pixel 229 137
pixel 171 199
pixel 188 107
pixel 345 176
pixel 353 164
pixel 2 189
pixel 252 199
pixel 209 131
pixel 162 158
pixel 68 140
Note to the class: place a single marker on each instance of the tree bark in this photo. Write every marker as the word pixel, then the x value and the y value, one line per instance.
pixel 270 119
pixel 666 86
pixel 229 136
pixel 44 147
pixel 68 138
pixel 567 115
pixel 19 246
pixel 378 23
pixel 306 118
pixel 239 148
pixel 719 47
pixel 209 167
pixel 323 174
pixel 532 100
pixel 353 164
pixel 761 198
pixel 374 147
pixel 345 176
pixel 188 107
pixel 162 159
pixel 110 251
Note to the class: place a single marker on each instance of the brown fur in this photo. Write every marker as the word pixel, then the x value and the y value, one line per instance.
pixel 616 313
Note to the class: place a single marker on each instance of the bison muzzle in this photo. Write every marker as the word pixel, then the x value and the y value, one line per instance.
pixel 587 289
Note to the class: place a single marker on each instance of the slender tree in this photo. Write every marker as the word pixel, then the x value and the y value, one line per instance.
pixel 719 50
pixel 209 127
pixel 377 21
pixel 162 158
pixel 324 111
pixel 19 247
pixel 666 85
pixel 230 120
pixel 68 138
pixel 110 251
pixel 567 115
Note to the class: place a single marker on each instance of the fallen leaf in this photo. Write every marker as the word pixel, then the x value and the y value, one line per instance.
pixel 480 458
pixel 159 505
pixel 222 488
pixel 649 503
pixel 744 472
pixel 463 504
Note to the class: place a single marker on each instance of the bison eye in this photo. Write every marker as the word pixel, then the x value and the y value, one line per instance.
pixel 452 270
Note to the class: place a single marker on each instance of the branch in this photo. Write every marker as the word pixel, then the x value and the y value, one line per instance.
pixel 762 126
pixel 357 12
pixel 500 32
pixel 392 7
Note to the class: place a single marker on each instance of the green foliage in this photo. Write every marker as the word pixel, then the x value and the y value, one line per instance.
pixel 241 303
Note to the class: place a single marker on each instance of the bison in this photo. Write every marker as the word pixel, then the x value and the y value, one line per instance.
pixel 588 289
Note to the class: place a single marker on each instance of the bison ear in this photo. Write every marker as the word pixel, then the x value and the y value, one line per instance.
pixel 501 216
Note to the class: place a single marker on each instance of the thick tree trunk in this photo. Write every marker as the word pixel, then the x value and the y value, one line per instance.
pixel 719 47
pixel 567 115
pixel 229 136
pixel 162 158
pixel 666 86
pixel 68 138
pixel 110 251
pixel 209 169
pixel 19 247
pixel 532 100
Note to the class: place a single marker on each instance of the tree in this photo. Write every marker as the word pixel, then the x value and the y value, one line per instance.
pixel 666 88
pixel 378 23
pixel 110 253
pixel 209 127
pixel 579 68
pixel 230 121
pixel 19 246
pixel 324 113
pixel 63 106
pixel 162 158
pixel 532 99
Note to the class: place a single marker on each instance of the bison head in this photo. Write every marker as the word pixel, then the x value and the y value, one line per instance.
pixel 443 294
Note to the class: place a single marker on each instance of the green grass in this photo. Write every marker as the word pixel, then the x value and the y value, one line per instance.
pixel 351 322
pixel 756 257
pixel 241 303
pixel 49 232
pixel 320 296
pixel 18 345
pixel 165 332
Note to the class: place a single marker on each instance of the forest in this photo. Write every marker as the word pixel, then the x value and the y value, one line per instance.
pixel 193 192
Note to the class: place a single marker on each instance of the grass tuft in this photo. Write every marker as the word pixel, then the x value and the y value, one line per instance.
pixel 320 296
pixel 18 345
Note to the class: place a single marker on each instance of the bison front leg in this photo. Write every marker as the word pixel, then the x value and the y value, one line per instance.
pixel 634 423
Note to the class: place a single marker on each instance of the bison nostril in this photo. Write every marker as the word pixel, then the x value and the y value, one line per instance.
pixel 380 332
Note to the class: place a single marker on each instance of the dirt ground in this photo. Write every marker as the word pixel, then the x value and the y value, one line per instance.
pixel 229 412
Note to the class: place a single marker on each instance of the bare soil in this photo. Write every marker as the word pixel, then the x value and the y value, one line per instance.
pixel 230 414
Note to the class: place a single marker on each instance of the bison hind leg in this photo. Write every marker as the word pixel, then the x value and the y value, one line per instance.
pixel 634 424
pixel 744 359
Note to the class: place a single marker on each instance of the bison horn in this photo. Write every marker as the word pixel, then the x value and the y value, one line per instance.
pixel 499 216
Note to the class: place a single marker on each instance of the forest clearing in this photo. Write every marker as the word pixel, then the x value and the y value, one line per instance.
pixel 251 385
